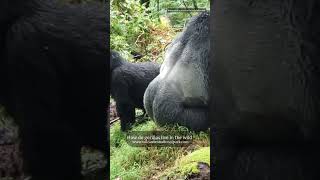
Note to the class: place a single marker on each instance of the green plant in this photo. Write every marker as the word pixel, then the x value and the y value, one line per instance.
pixel 179 19
pixel 131 26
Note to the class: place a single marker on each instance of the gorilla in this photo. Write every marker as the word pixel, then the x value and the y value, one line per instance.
pixel 53 74
pixel 179 94
pixel 128 84
pixel 265 89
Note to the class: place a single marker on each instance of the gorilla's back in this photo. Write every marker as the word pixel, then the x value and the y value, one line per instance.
pixel 182 85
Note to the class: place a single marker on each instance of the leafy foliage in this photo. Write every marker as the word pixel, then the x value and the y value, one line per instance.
pixel 136 28
pixel 133 29
pixel 179 19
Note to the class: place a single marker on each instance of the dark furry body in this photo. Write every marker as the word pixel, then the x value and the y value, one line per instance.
pixel 53 65
pixel 266 89
pixel 128 84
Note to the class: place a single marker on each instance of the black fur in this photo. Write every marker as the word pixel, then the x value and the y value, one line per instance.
pixel 53 65
pixel 128 84
pixel 180 93
pixel 266 89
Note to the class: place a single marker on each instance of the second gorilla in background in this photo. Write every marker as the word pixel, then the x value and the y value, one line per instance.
pixel 128 84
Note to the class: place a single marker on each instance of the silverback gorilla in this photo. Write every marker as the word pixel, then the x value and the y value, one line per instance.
pixel 179 94
pixel 53 65
pixel 128 84
pixel 266 89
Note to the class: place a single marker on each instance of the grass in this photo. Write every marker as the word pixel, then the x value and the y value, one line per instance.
pixel 130 163
pixel 186 165
pixel 190 161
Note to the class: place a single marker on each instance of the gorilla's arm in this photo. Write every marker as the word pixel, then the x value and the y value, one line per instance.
pixel 124 105
pixel 127 115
